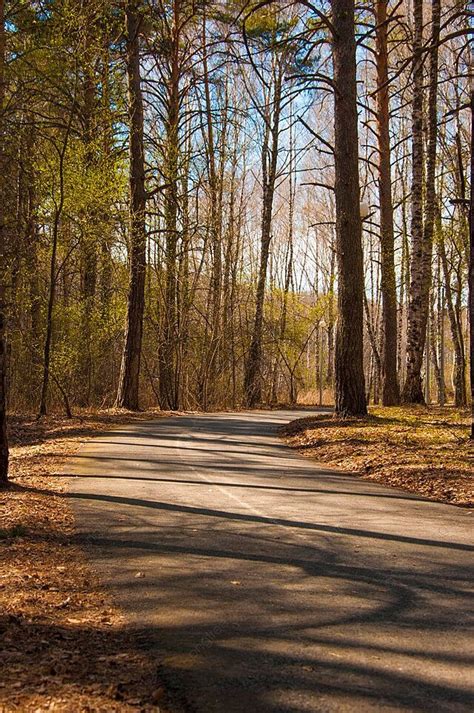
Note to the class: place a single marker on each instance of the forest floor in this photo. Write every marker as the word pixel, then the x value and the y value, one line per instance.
pixel 64 646
pixel 425 450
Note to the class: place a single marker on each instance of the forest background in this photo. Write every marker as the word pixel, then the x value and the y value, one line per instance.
pixel 184 225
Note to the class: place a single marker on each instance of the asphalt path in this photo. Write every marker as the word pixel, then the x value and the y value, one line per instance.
pixel 262 582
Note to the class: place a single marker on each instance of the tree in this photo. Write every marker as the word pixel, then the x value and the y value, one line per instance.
pixel 279 62
pixel 253 366
pixel 349 373
pixel 60 147
pixel 192 228
pixel 128 390
pixel 471 257
pixel 3 349
pixel 423 211
pixel 390 388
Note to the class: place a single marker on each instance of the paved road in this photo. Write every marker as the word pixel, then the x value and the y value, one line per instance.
pixel 274 585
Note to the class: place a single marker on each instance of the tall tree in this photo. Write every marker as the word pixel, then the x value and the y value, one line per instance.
pixel 88 19
pixel 174 45
pixel 471 254
pixel 60 147
pixel 279 61
pixel 422 226
pixel 171 61
pixel 3 349
pixel 128 390
pixel 253 366
pixel 220 271
pixel 349 373
pixel 390 389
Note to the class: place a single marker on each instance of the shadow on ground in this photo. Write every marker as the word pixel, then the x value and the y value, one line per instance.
pixel 262 583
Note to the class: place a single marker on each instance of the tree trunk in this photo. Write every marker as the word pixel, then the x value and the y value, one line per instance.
pixel 390 389
pixel 471 263
pixel 330 321
pixel 89 246
pixel 350 387
pixel 3 348
pixel 442 393
pixel 422 235
pixel 213 347
pixel 127 396
pixel 169 396
pixel 434 344
pixel 43 407
pixel 416 328
pixel 372 334
pixel 281 326
pixel 253 369
pixel 32 242
pixel 53 275
pixel 459 379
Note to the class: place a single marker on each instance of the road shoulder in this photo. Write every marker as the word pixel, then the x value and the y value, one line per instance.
pixel 65 644
pixel 424 450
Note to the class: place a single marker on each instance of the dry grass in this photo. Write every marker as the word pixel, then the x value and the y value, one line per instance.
pixel 65 646
pixel 424 450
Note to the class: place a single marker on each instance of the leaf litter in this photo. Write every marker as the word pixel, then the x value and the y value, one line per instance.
pixel 65 645
pixel 425 450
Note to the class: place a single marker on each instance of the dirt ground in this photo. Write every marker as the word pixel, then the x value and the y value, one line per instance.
pixel 64 645
pixel 425 450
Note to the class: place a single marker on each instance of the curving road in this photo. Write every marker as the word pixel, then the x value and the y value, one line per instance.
pixel 271 584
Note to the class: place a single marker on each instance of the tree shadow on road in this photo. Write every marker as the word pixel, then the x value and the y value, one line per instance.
pixel 296 628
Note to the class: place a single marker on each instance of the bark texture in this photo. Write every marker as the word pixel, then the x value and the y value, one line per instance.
pixel 390 388
pixel 88 248
pixel 169 388
pixel 471 264
pixel 350 387
pixel 422 231
pixel 3 350
pixel 128 391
